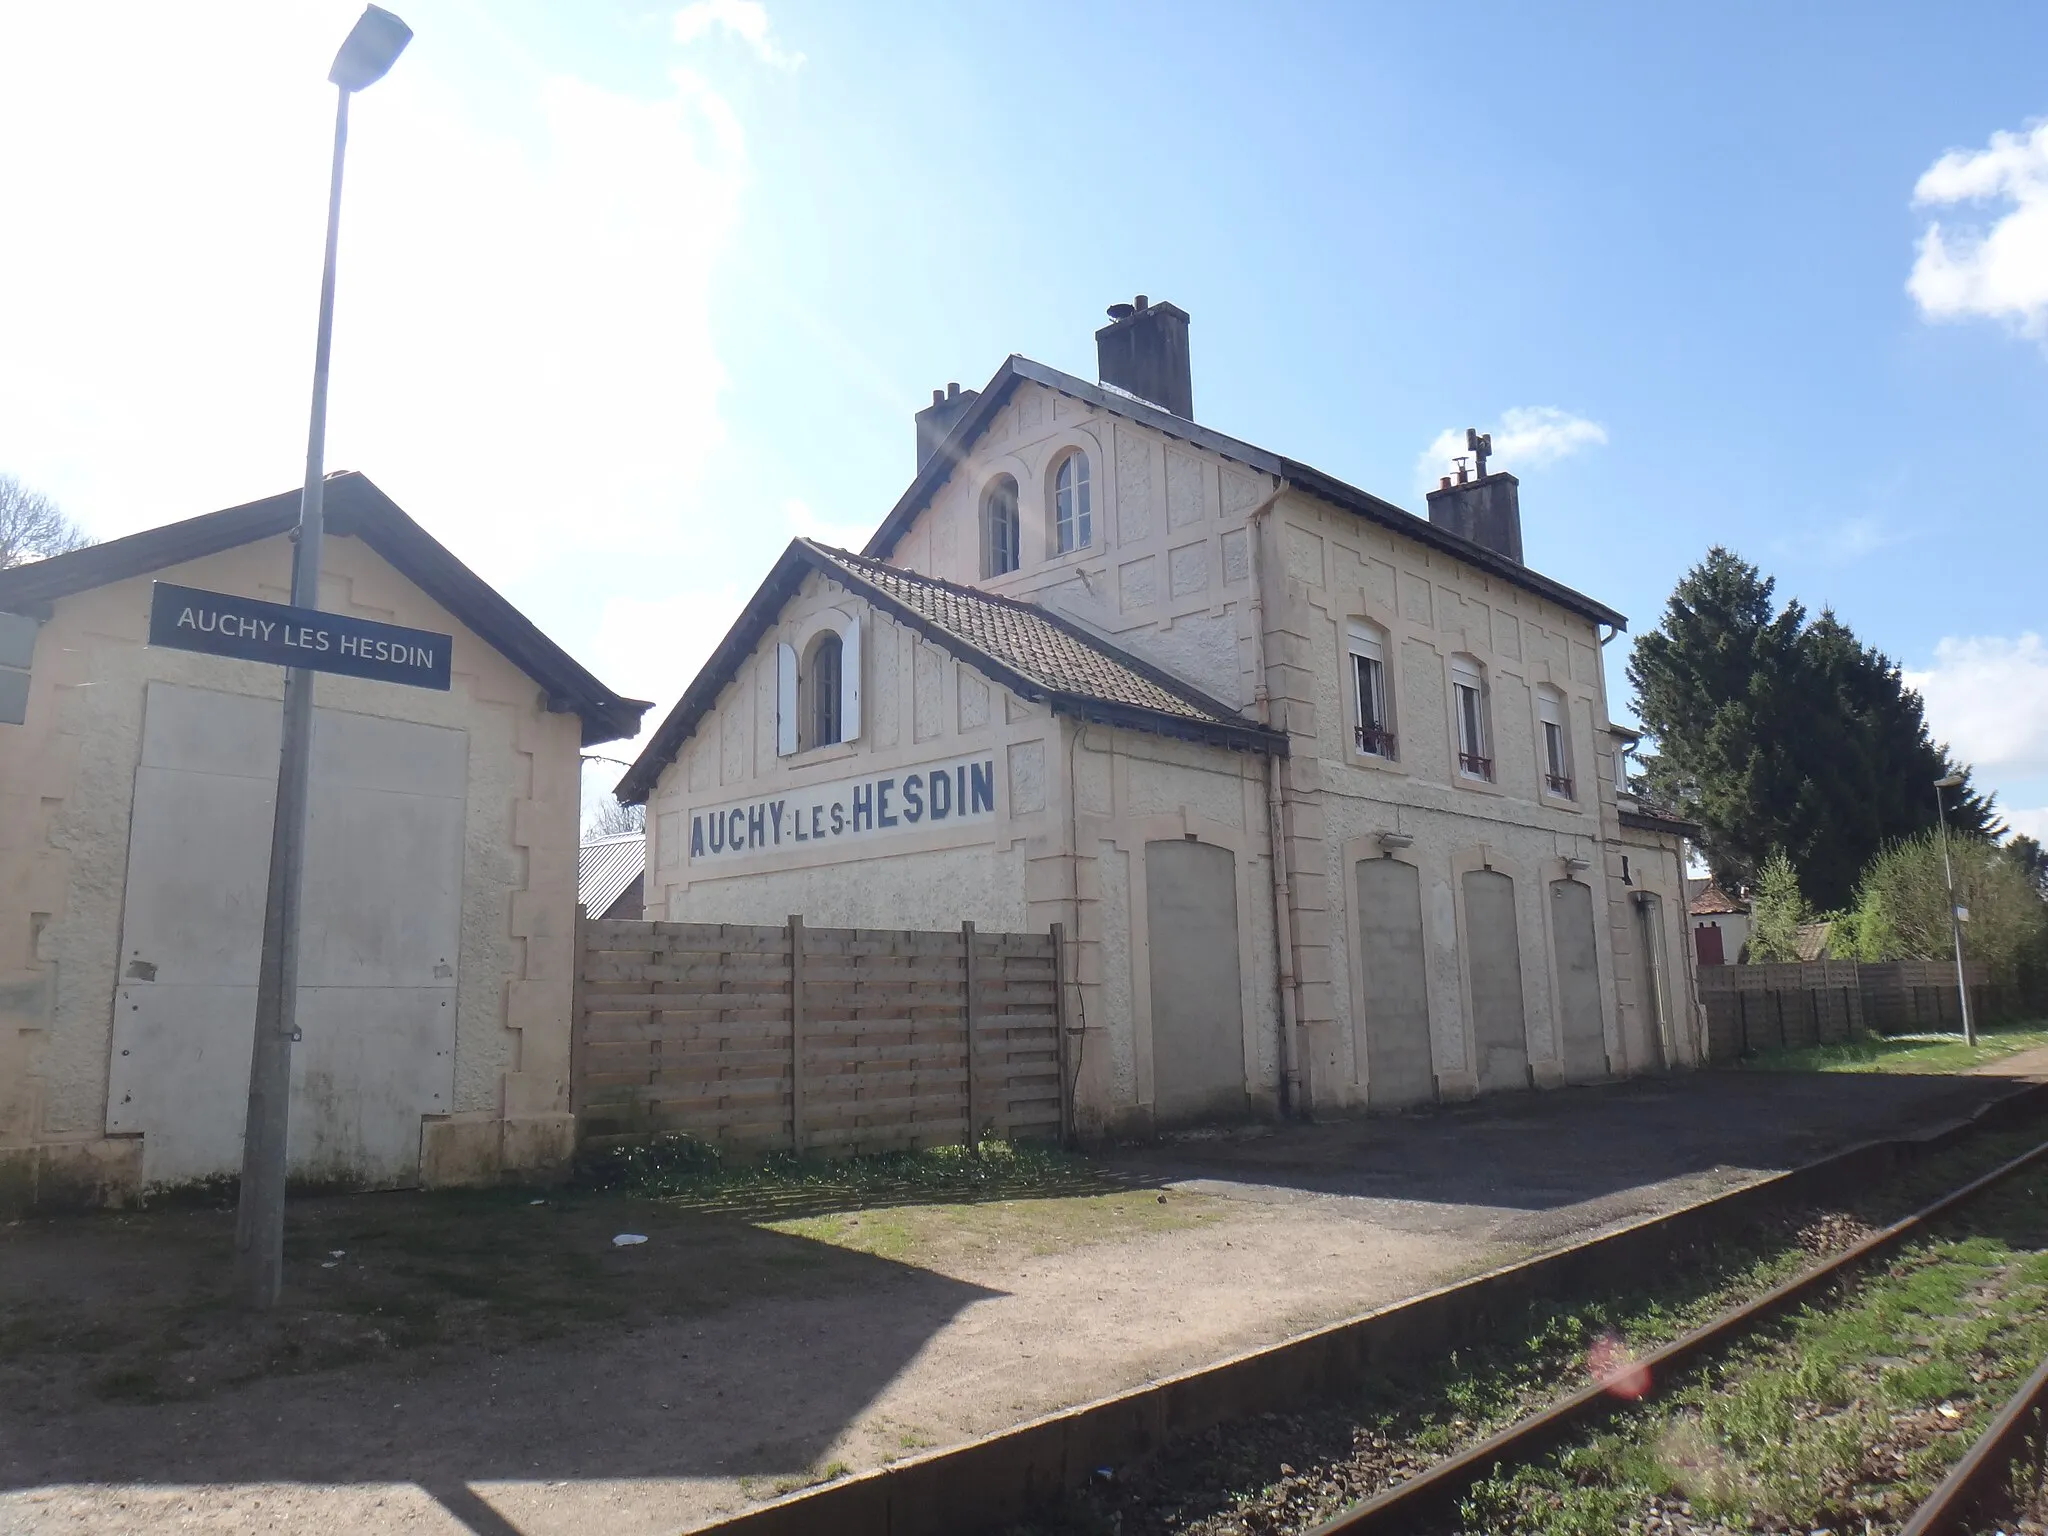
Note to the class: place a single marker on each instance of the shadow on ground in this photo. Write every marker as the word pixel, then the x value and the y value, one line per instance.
pixel 1543 1151
pixel 448 1340
pixel 441 1340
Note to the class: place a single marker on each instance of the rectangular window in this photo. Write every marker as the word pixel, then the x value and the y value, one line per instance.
pixel 1374 732
pixel 1468 695
pixel 1557 767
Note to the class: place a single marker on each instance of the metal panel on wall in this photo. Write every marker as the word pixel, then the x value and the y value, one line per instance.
pixel 380 931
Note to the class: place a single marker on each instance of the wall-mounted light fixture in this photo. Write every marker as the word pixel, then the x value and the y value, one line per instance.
pixel 1577 865
pixel 1389 841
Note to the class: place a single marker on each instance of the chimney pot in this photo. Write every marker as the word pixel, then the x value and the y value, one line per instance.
pixel 1144 352
pixel 1442 485
pixel 952 391
pixel 939 398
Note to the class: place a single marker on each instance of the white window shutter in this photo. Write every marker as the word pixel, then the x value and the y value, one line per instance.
pixel 849 681
pixel 785 700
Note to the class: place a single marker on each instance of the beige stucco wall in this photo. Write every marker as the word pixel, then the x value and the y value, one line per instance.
pixel 1170 575
pixel 66 784
pixel 1014 870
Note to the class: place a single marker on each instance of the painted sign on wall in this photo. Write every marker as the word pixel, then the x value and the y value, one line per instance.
pixel 873 806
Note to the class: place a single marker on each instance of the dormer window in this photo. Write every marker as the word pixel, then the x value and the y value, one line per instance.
pixel 1557 753
pixel 1468 701
pixel 1374 731
pixel 999 528
pixel 1073 521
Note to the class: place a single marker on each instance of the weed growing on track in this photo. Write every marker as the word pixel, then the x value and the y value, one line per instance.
pixel 1849 1411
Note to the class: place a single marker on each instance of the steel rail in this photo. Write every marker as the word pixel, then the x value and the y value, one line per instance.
pixel 1950 1508
pixel 1430 1495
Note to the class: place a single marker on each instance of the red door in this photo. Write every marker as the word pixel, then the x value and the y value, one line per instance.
pixel 1707 942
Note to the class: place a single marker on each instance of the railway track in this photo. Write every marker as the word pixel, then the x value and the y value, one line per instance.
pixel 1429 1501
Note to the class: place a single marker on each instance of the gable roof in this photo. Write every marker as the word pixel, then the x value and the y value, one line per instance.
pixel 1034 653
pixel 1015 370
pixel 357 508
pixel 606 866
pixel 1709 900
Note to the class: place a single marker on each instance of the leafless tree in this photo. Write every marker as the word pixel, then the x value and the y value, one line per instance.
pixel 32 527
pixel 611 818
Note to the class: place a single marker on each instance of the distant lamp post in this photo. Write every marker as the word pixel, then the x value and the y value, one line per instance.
pixel 1955 913
pixel 370 49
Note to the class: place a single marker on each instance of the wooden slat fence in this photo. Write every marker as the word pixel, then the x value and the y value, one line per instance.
pixel 1754 1008
pixel 828 1039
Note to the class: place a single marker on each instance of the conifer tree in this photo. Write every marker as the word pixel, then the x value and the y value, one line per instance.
pixel 1778 733
pixel 1776 913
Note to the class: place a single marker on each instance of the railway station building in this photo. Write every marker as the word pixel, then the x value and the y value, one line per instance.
pixel 1325 793
pixel 136 797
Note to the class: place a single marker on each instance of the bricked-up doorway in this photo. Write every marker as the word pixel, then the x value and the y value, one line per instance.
pixel 1500 1031
pixel 1197 995
pixel 1398 1068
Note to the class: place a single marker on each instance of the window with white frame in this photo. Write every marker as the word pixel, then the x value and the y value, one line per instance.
pixel 1468 701
pixel 821 691
pixel 817 686
pixel 1373 731
pixel 1557 754
pixel 999 528
pixel 1072 514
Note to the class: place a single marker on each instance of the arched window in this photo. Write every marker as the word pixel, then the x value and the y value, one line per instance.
pixel 821 680
pixel 999 528
pixel 1073 522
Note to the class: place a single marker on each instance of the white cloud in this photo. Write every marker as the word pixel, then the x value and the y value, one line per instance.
pixel 746 20
pixel 1987 697
pixel 2033 823
pixel 2000 271
pixel 1527 436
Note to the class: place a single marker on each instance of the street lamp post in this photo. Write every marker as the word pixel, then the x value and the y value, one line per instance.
pixel 370 49
pixel 1955 915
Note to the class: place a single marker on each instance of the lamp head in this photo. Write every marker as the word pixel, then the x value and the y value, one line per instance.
pixel 372 46
pixel 1951 782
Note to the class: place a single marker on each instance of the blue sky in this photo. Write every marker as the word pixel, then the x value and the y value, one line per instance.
pixel 630 295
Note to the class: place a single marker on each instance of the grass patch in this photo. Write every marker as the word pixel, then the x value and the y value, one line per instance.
pixel 1905 1053
pixel 694 1175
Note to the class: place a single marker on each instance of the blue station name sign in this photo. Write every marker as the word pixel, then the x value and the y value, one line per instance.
pixel 219 624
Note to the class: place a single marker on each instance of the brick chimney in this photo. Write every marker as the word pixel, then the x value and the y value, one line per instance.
pixel 936 420
pixel 1144 351
pixel 1487 509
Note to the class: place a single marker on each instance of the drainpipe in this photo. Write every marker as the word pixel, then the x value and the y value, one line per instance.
pixel 1292 1098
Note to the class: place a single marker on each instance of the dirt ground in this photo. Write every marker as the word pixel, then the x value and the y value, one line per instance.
pixel 493 1363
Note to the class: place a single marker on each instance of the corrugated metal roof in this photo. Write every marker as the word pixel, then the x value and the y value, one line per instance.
pixel 605 866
